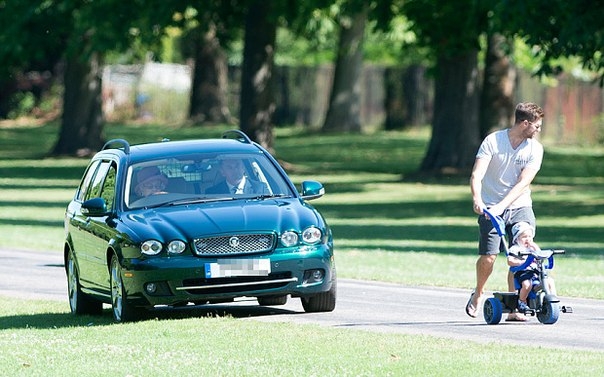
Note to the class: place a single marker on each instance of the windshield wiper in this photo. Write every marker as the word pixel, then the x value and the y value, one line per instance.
pixel 179 202
pixel 269 196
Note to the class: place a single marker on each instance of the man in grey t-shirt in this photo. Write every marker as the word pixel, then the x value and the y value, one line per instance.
pixel 506 164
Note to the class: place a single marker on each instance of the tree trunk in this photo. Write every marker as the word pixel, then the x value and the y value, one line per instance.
pixel 406 97
pixel 82 120
pixel 209 89
pixel 455 132
pixel 8 87
pixel 415 95
pixel 497 102
pixel 344 113
pixel 396 111
pixel 256 99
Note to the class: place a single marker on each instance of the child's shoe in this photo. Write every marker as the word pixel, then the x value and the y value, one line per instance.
pixel 523 307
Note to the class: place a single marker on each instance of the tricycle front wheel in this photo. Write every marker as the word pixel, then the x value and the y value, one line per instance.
pixel 550 311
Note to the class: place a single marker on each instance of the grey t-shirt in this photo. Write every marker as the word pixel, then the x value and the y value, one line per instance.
pixel 505 166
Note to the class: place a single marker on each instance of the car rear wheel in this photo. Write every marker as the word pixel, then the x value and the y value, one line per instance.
pixel 322 302
pixel 122 310
pixel 272 300
pixel 79 302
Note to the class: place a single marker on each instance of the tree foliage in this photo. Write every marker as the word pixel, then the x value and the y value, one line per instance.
pixel 558 29
pixel 37 34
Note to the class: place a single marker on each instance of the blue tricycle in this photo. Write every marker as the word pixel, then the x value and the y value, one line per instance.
pixel 542 303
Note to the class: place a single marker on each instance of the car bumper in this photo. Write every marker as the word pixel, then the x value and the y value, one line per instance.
pixel 181 279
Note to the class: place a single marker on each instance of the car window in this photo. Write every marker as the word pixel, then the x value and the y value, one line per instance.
pixel 81 193
pixel 97 181
pixel 201 175
pixel 108 190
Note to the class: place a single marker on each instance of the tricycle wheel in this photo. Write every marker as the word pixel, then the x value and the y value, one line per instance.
pixel 492 311
pixel 550 311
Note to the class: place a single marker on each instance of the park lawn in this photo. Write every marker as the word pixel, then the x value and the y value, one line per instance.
pixel 41 338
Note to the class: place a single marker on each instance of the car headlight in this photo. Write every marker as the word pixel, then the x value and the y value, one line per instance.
pixel 311 235
pixel 176 247
pixel 289 238
pixel 151 247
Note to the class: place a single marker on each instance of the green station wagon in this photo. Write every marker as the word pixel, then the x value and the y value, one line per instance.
pixel 194 222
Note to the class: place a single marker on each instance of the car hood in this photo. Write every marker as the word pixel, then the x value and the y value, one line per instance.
pixel 239 216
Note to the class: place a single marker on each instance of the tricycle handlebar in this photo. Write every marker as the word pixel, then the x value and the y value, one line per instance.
pixel 544 253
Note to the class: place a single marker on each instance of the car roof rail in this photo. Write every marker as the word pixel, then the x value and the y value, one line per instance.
pixel 237 135
pixel 123 145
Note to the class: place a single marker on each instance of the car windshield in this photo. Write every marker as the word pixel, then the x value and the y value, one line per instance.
pixel 197 178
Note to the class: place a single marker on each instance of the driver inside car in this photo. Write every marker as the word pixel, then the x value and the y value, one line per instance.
pixel 235 180
pixel 150 181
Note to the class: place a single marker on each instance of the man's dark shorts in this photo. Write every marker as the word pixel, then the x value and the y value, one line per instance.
pixel 490 243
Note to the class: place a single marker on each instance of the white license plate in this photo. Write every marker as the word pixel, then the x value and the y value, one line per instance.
pixel 225 268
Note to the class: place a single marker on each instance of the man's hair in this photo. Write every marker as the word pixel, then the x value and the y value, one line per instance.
pixel 528 111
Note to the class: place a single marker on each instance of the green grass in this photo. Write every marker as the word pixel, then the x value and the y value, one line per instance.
pixel 43 339
pixel 387 226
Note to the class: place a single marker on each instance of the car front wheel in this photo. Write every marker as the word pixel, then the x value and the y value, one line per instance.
pixel 79 302
pixel 322 302
pixel 122 310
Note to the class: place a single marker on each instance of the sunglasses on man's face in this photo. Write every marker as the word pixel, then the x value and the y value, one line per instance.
pixel 537 124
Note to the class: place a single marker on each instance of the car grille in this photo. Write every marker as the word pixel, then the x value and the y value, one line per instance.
pixel 236 284
pixel 234 244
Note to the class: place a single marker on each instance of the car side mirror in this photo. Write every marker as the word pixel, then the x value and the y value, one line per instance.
pixel 95 207
pixel 312 190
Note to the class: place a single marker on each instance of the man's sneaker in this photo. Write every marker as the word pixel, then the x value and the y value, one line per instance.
pixel 523 307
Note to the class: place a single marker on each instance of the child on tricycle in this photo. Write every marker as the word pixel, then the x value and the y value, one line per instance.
pixel 536 293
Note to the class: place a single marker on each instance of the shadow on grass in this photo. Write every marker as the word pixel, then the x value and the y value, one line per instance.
pixel 38 186
pixel 585 253
pixel 247 310
pixel 394 210
pixel 51 321
pixel 446 208
pixel 66 319
pixel 43 223
pixel 33 204
pixel 43 172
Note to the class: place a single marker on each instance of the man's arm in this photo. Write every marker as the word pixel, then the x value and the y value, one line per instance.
pixel 478 172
